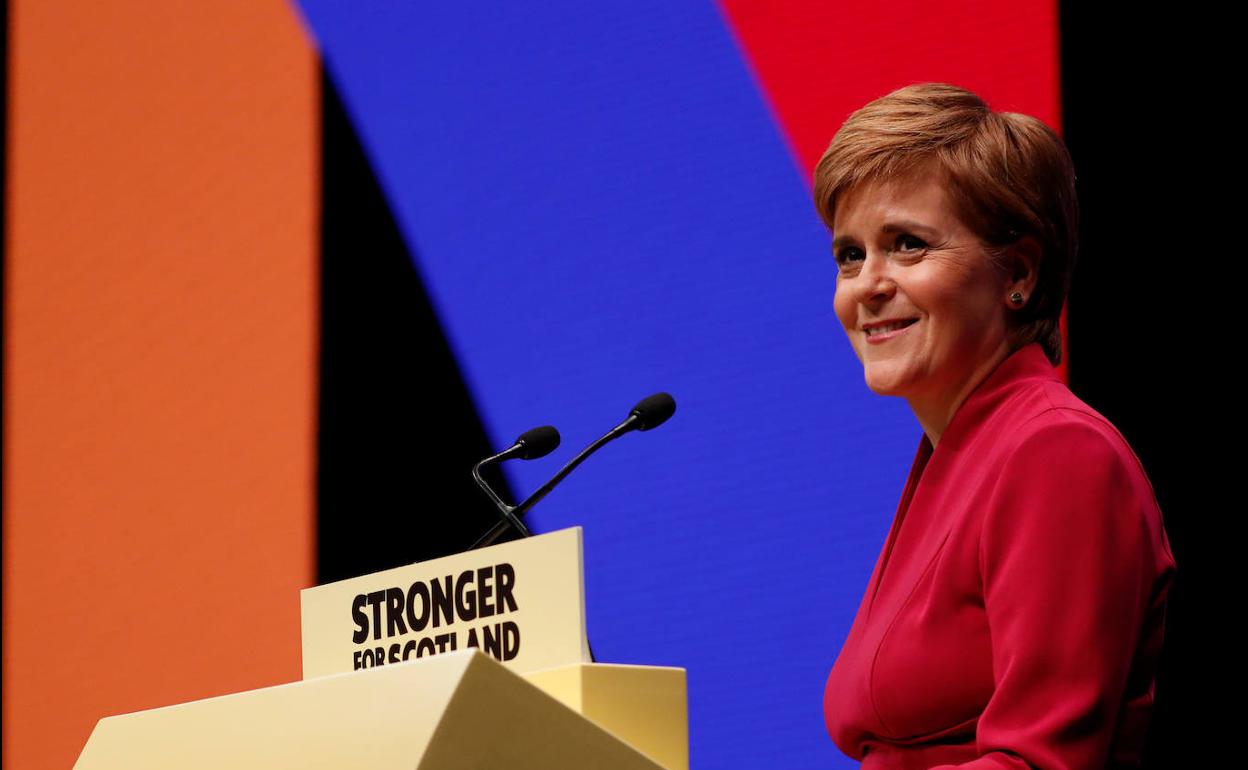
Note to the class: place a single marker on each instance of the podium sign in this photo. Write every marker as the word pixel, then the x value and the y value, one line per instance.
pixel 521 602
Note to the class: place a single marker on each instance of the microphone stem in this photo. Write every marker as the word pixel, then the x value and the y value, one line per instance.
pixel 544 490
pixel 508 511
pixel 515 512
pixel 489 491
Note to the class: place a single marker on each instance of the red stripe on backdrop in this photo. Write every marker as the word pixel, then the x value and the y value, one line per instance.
pixel 817 61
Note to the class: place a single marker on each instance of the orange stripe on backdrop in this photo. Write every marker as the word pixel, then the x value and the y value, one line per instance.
pixel 160 361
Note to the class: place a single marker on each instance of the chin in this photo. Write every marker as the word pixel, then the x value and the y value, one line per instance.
pixel 885 383
pixel 884 390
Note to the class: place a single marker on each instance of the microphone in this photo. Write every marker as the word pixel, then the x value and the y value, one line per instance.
pixel 649 413
pixel 531 445
pixel 653 411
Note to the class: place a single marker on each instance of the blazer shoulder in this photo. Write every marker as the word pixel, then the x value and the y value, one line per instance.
pixel 1060 436
pixel 1054 413
pixel 1072 458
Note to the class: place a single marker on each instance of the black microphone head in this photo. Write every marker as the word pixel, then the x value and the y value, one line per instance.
pixel 538 442
pixel 653 411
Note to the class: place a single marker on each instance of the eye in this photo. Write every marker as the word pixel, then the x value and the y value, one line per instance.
pixel 848 254
pixel 909 243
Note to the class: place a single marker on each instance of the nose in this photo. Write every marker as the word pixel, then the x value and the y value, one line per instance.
pixel 875 279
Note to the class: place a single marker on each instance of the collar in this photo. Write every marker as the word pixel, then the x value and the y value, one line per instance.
pixel 1028 363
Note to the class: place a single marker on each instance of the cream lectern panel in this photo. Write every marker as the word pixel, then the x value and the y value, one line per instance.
pixel 394 677
pixel 521 602
pixel 459 710
pixel 643 705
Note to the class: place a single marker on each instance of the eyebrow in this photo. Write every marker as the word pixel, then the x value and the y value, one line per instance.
pixel 897 226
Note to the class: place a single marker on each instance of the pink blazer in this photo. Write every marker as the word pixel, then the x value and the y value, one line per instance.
pixel 1014 618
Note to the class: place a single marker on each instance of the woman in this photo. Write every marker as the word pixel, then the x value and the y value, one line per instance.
pixel 1014 617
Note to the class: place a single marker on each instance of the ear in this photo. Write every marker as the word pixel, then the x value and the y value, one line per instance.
pixel 1024 271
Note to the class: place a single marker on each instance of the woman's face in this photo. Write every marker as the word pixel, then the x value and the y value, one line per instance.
pixel 924 307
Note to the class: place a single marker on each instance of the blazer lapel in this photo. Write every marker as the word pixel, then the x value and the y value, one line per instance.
pixel 932 504
pixel 919 532
pixel 921 458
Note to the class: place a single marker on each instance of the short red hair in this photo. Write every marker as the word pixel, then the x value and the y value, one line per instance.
pixel 1008 174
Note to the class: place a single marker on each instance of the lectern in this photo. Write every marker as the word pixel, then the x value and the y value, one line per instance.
pixel 478 660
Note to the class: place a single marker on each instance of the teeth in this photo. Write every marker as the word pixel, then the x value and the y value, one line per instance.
pixel 886 328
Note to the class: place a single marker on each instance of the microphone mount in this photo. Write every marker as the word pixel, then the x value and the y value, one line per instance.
pixel 650 412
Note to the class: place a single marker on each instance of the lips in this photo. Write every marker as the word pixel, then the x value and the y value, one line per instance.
pixel 884 329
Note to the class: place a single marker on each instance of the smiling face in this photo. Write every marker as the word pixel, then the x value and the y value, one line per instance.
pixel 923 304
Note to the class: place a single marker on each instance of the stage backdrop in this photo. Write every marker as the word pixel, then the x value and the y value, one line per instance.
pixel 596 201
pixel 611 199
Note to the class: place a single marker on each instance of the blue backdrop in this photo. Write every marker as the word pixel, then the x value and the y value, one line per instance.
pixel 602 207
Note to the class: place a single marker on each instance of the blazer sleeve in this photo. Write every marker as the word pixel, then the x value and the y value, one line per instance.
pixel 1071 554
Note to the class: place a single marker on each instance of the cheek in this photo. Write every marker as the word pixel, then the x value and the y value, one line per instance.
pixel 977 305
pixel 843 307
pixel 965 321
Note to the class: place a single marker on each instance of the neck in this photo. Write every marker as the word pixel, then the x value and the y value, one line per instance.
pixel 935 411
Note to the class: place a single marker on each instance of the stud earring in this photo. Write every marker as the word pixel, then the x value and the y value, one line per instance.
pixel 1016 298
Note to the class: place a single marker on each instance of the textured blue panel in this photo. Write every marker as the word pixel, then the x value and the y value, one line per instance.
pixel 603 208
